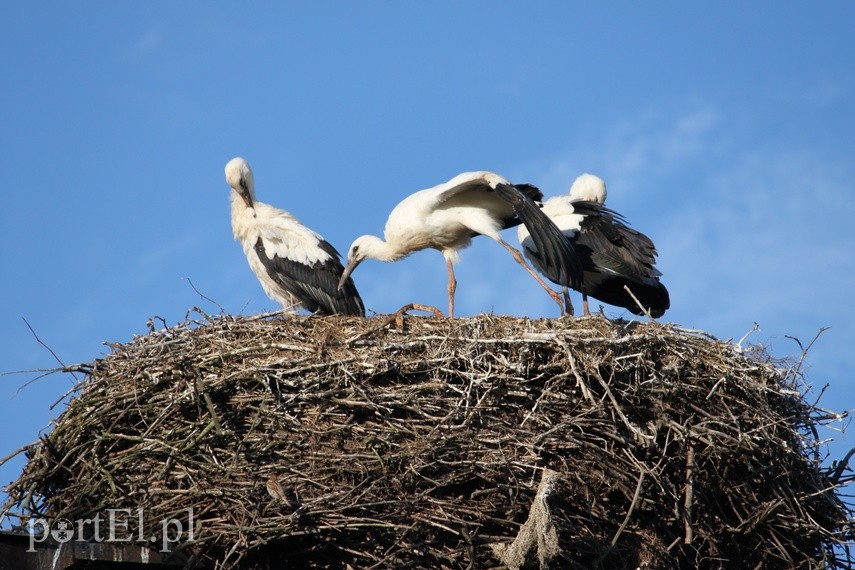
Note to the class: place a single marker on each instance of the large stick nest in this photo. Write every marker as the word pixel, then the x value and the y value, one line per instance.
pixel 469 443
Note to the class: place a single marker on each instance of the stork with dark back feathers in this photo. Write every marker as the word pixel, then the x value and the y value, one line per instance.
pixel 614 257
pixel 447 217
pixel 295 266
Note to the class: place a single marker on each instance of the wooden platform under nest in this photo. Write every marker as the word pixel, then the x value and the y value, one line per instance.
pixel 341 442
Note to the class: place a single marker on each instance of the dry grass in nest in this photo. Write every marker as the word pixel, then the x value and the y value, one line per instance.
pixel 466 443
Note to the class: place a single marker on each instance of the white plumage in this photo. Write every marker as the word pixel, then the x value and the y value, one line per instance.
pixel 295 266
pixel 614 256
pixel 447 217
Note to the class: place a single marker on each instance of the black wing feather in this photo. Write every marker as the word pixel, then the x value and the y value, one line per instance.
pixel 615 256
pixel 615 245
pixel 559 259
pixel 316 286
pixel 529 191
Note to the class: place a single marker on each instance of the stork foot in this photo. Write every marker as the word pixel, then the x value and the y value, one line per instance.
pixel 398 318
pixel 399 314
pixel 519 259
pixel 568 305
pixel 557 298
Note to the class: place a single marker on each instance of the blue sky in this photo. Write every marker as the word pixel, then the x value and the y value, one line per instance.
pixel 724 131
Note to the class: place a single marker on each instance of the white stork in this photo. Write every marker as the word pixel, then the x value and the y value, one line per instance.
pixel 613 255
pixel 447 217
pixel 296 266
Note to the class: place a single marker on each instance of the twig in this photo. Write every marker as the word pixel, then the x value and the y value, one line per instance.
pixel 637 302
pixel 205 297
pixel 635 498
pixel 49 349
pixel 688 519
pixel 841 467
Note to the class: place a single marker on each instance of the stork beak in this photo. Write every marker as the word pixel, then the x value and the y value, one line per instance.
pixel 351 265
pixel 247 199
pixel 245 192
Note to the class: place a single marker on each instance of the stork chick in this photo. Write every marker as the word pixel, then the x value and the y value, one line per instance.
pixel 295 266
pixel 447 217
pixel 617 261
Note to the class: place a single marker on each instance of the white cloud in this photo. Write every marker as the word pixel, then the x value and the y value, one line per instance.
pixel 771 235
pixel 632 152
pixel 821 92
pixel 148 43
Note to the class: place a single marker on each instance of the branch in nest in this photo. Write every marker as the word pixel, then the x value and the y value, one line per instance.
pixel 537 533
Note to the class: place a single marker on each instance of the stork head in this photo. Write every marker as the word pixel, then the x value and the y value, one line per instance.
pixel 588 187
pixel 355 255
pixel 239 177
pixel 362 248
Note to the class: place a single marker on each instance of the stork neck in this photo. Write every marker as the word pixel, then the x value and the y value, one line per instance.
pixel 243 218
pixel 376 248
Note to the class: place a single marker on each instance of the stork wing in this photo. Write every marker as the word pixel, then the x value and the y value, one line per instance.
pixel 615 246
pixel 477 189
pixel 313 282
pixel 559 260
pixel 472 181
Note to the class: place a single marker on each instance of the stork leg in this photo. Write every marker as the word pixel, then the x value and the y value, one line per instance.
pixel 519 259
pixel 452 287
pixel 568 305
pixel 585 310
